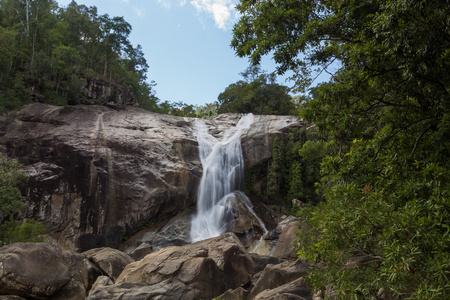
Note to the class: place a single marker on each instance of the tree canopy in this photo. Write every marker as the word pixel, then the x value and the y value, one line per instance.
pixel 258 93
pixel 11 203
pixel 47 52
pixel 383 230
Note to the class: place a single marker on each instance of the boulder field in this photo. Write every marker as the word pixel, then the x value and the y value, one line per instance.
pixel 216 268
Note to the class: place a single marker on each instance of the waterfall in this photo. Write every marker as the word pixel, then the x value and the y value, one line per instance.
pixel 223 173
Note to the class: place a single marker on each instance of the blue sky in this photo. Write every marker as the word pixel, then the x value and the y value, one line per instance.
pixel 186 44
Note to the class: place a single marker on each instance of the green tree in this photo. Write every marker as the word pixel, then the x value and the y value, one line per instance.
pixel 258 93
pixel 11 203
pixel 51 51
pixel 207 110
pixel 11 200
pixel 292 172
pixel 115 38
pixel 383 231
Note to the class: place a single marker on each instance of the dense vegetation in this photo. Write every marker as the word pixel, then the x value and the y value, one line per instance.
pixel 11 203
pixel 258 93
pixel 48 53
pixel 291 173
pixel 383 231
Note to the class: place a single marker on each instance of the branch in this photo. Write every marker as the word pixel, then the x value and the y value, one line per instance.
pixel 399 130
pixel 417 141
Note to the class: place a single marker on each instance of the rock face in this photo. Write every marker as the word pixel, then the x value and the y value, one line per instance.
pixel 98 174
pixel 42 271
pixel 196 271
pixel 258 140
pixel 106 93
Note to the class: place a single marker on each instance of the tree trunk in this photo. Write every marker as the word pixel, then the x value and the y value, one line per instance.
pixel 105 70
pixel 27 18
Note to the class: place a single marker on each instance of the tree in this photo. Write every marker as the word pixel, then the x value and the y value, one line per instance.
pixel 207 110
pixel 11 200
pixel 291 173
pixel 11 203
pixel 47 53
pixel 383 230
pixel 115 37
pixel 258 93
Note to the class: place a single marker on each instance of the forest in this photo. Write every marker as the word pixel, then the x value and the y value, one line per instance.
pixel 373 170
pixel 382 230
pixel 48 53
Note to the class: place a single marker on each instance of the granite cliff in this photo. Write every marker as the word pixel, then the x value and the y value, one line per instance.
pixel 98 174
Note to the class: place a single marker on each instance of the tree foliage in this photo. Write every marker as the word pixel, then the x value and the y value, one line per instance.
pixel 48 52
pixel 11 200
pixel 258 93
pixel 11 203
pixel 291 173
pixel 383 231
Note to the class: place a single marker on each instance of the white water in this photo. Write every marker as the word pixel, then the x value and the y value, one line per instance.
pixel 223 173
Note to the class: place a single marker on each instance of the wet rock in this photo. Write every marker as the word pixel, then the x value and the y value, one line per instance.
pixel 175 233
pixel 98 174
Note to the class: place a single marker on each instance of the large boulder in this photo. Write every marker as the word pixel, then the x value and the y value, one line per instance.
pixel 98 174
pixel 286 236
pixel 110 262
pixel 202 270
pixel 294 290
pixel 237 294
pixel 42 271
pixel 275 276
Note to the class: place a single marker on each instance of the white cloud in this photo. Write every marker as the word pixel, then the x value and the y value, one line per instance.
pixel 183 3
pixel 222 11
pixel 165 3
pixel 139 11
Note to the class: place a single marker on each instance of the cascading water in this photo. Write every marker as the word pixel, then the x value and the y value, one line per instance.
pixel 223 173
